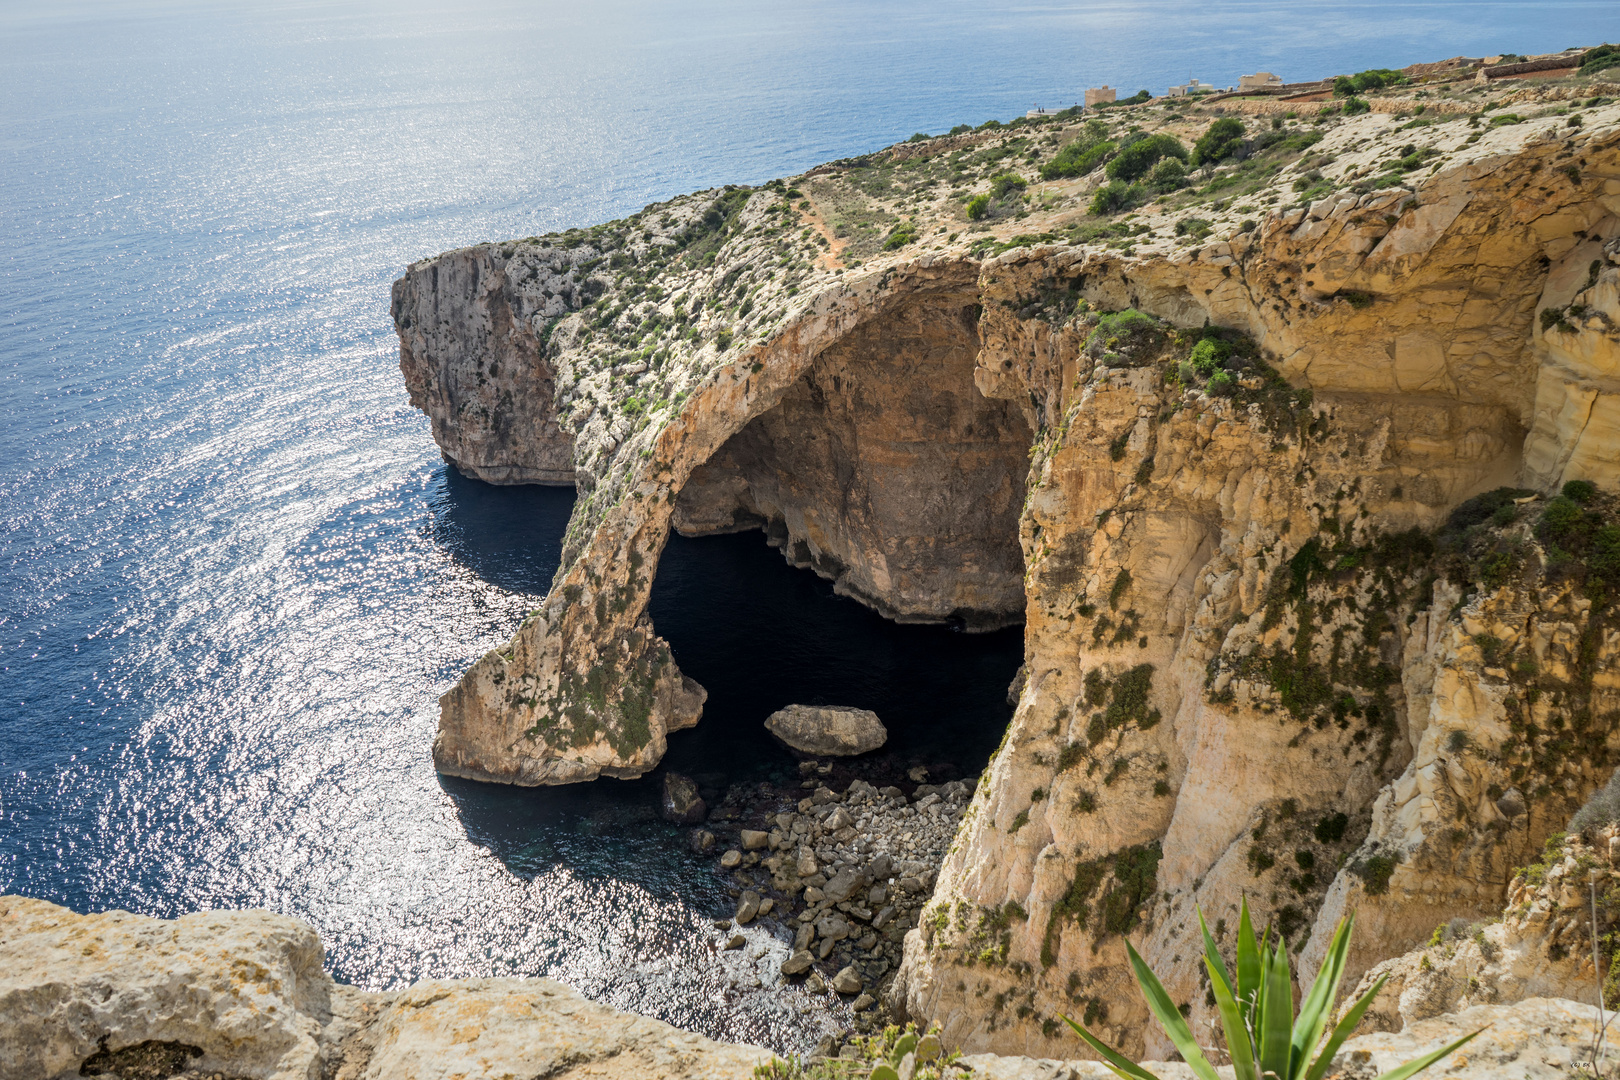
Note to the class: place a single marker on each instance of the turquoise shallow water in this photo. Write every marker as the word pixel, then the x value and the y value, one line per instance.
pixel 234 575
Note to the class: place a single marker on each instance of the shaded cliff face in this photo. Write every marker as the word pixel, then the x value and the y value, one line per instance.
pixel 885 470
pixel 1264 653
pixel 469 348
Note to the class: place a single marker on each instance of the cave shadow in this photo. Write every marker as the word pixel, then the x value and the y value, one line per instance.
pixel 510 536
pixel 760 634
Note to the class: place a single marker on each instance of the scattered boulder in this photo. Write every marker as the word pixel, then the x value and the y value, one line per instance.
pixel 798 963
pixel 806 863
pixel 847 981
pixel 753 839
pixel 832 731
pixel 864 1002
pixel 737 941
pixel 731 859
pixel 747 907
pixel 842 886
pixel 681 802
pixel 701 841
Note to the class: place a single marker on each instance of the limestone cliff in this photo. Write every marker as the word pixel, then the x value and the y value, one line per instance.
pixel 1275 487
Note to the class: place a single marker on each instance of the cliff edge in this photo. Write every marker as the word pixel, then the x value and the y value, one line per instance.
pixel 1301 479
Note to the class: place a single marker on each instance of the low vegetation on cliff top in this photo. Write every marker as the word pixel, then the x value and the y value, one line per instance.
pixel 884 1056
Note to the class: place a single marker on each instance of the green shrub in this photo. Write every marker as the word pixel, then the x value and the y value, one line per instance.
pixel 1221 384
pixel 1082 155
pixel 1168 175
pixel 1482 508
pixel 1505 119
pixel 1208 355
pixel 978 206
pixel 901 235
pixel 1371 79
pixel 1376 872
pixel 1115 197
pixel 1562 518
pixel 1599 59
pixel 1134 160
pixel 1223 139
pixel 1006 182
pixel 1581 491
pixel 1355 106
pixel 1330 830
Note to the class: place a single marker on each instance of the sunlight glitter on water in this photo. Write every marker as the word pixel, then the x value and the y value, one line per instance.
pixel 234 575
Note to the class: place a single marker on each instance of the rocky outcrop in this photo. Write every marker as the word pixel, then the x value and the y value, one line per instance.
pixel 1540 945
pixel 243 993
pixel 471 348
pixel 1302 622
pixel 884 470
pixel 827 731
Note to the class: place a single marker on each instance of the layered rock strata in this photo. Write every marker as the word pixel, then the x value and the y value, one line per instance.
pixel 1272 647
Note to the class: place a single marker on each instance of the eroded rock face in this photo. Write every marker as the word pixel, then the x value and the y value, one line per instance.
pixel 1205 696
pixel 470 325
pixel 885 470
pixel 828 731
pixel 1539 945
pixel 1261 657
pixel 243 993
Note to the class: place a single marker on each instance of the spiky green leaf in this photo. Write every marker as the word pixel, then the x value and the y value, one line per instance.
pixel 1117 1062
pixel 1342 1030
pixel 1276 1014
pixel 1249 966
pixel 1169 1017
pixel 1313 1010
pixel 1417 1065
pixel 1238 1043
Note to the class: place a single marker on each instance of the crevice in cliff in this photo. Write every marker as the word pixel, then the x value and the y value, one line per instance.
pixel 886 471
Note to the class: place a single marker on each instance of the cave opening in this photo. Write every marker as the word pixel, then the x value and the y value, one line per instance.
pixel 887 474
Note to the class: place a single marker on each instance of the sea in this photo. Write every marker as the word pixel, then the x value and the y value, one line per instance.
pixel 235 574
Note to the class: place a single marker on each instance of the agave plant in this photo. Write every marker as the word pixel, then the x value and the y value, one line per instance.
pixel 1264 1038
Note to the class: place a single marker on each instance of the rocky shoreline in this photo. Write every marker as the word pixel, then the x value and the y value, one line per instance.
pixel 840 866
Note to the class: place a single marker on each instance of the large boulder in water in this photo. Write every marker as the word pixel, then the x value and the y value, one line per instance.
pixel 681 802
pixel 831 731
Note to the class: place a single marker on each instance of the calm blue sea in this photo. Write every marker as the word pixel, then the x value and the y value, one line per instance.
pixel 234 574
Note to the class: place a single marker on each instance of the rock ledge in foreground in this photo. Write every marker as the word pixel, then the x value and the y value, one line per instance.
pixel 828 731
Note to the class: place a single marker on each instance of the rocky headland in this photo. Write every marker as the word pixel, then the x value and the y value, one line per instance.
pixel 1296 455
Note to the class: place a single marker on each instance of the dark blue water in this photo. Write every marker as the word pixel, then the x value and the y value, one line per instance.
pixel 234 575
